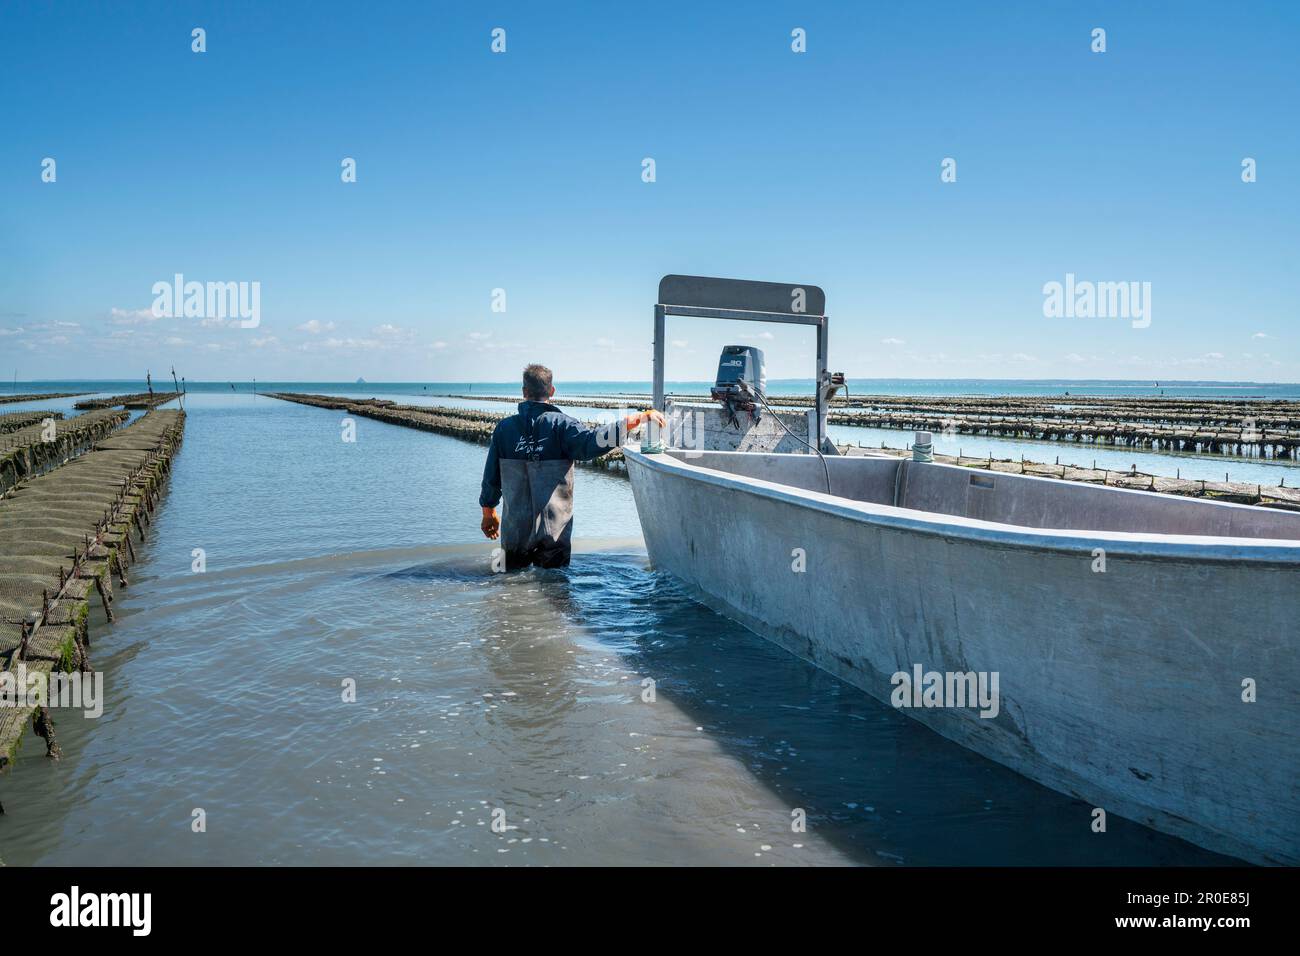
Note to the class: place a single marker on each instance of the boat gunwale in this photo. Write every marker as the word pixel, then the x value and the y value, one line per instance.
pixel 1281 552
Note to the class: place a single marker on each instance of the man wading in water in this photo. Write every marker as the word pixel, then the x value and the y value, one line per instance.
pixel 530 460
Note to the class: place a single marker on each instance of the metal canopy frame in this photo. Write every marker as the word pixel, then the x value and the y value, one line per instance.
pixel 702 297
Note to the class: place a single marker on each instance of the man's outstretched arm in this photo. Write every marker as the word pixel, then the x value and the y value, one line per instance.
pixel 582 443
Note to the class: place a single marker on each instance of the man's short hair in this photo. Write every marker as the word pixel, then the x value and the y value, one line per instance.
pixel 537 382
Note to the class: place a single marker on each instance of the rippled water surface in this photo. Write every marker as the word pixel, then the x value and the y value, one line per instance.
pixel 328 562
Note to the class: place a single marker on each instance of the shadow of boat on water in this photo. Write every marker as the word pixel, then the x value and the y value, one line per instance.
pixel 880 786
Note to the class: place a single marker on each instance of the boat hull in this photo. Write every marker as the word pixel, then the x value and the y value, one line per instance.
pixel 1123 686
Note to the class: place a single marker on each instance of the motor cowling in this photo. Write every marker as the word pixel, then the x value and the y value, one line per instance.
pixel 742 378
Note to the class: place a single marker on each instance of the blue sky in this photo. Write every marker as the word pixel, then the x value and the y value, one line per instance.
pixel 523 171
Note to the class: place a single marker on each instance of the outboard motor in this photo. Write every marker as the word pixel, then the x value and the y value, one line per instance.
pixel 741 383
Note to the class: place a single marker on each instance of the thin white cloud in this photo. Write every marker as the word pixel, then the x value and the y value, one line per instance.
pixel 393 333
pixel 131 316
pixel 352 344
pixel 316 327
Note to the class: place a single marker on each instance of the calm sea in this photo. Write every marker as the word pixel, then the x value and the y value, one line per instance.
pixel 479 697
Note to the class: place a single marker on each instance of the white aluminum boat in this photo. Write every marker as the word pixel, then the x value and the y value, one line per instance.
pixel 1144 645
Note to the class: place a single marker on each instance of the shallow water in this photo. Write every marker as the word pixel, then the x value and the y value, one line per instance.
pixel 328 561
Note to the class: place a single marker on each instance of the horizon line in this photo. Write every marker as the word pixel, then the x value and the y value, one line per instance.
pixel 620 381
